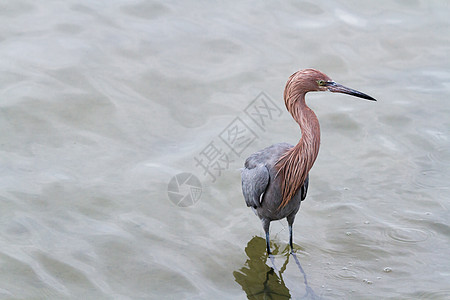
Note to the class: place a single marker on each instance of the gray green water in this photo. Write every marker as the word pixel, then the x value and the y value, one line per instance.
pixel 103 103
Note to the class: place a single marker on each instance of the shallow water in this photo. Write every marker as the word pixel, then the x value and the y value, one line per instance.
pixel 102 105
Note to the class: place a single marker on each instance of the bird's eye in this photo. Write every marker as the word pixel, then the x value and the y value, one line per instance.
pixel 321 82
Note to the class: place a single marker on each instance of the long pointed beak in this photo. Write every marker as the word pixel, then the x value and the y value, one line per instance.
pixel 337 88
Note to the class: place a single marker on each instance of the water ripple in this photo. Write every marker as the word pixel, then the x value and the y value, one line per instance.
pixel 408 235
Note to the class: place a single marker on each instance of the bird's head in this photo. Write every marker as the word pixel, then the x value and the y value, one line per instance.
pixel 311 80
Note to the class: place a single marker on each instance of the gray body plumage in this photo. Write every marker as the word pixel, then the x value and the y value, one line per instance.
pixel 262 187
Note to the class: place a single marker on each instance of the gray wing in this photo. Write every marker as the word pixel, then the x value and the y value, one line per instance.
pixel 254 184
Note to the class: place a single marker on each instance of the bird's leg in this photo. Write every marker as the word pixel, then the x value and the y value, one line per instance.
pixel 290 239
pixel 268 243
pixel 290 220
pixel 266 224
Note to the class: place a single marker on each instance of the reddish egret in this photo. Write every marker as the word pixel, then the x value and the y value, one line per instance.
pixel 275 179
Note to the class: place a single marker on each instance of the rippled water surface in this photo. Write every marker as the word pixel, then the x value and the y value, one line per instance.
pixel 103 104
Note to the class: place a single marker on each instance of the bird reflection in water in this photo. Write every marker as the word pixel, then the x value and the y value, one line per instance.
pixel 261 281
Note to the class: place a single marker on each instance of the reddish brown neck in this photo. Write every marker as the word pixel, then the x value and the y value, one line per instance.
pixel 295 164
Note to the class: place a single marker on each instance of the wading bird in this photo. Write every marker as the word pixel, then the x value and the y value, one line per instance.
pixel 275 179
